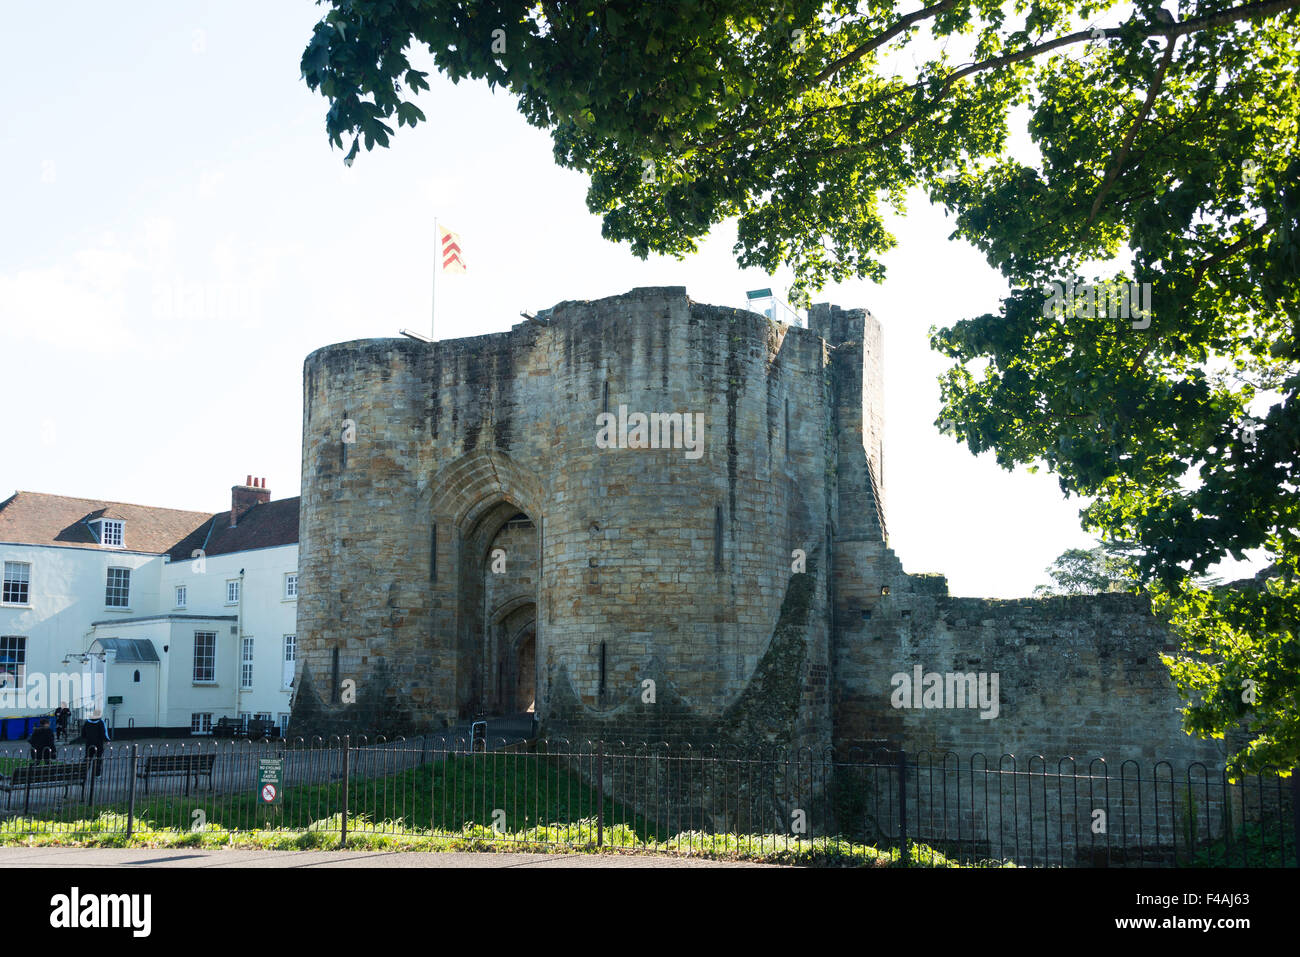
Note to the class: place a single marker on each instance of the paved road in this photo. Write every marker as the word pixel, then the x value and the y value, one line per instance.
pixel 193 857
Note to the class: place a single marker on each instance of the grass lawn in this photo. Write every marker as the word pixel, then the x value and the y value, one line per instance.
pixel 458 804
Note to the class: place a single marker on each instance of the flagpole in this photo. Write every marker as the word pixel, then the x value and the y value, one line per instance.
pixel 433 286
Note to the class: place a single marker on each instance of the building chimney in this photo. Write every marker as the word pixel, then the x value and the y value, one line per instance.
pixel 243 497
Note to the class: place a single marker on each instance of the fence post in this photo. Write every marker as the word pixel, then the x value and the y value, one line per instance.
pixel 27 795
pixel 904 851
pixel 347 760
pixel 600 793
pixel 130 794
pixel 1295 813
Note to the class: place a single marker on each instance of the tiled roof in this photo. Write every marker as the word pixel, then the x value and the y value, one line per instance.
pixel 262 526
pixel 34 518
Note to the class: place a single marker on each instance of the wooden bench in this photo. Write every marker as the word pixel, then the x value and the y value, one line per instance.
pixel 228 728
pixel 32 777
pixel 255 729
pixel 259 728
pixel 177 765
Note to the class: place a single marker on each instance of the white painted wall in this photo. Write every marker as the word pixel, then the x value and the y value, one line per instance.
pixel 67 595
pixel 264 614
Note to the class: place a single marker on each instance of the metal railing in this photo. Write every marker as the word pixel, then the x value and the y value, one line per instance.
pixel 794 805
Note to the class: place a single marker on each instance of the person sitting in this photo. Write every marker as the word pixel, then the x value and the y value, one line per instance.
pixel 42 742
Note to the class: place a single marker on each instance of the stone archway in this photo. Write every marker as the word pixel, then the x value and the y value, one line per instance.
pixel 485 566
pixel 497 600
pixel 516 659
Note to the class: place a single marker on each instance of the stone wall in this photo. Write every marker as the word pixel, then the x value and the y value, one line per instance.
pixel 1077 676
pixel 1086 730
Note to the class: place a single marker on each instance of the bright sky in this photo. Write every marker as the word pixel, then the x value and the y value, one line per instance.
pixel 179 236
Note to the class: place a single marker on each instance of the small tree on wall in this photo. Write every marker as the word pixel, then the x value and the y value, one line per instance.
pixel 1089 571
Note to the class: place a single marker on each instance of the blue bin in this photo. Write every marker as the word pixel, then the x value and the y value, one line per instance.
pixel 15 728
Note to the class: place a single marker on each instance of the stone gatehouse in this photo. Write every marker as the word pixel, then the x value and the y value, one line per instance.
pixel 656 520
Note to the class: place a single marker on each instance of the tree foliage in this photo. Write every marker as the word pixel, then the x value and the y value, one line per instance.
pixel 1089 571
pixel 1168 148
pixel 1240 663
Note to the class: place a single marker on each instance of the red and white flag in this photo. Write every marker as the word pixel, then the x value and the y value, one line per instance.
pixel 450 245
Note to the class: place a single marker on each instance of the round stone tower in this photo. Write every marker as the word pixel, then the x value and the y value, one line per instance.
pixel 617 515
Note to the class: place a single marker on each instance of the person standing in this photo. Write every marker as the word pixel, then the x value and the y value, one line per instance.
pixel 42 742
pixel 62 714
pixel 95 734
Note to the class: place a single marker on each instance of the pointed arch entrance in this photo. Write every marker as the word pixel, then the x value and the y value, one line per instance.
pixel 514 651
pixel 485 575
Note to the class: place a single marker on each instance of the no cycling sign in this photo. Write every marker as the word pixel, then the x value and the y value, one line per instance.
pixel 270 775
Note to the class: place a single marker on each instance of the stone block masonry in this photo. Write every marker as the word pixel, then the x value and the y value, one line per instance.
pixel 1077 676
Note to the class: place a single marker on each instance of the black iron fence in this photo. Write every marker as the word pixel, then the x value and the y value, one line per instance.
pixel 873 805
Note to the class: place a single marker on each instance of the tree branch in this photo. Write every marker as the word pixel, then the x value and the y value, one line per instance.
pixel 835 66
pixel 896 131
pixel 1113 173
pixel 1207 263
pixel 876 42
pixel 1248 11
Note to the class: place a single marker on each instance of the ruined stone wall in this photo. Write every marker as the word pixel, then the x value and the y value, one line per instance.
pixel 1078 676
pixel 1086 723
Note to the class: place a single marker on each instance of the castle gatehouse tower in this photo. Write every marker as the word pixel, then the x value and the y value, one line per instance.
pixel 622 515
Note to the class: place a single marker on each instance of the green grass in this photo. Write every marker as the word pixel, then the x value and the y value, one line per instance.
pixel 7 765
pixel 461 804
pixel 108 830
pixel 452 795
pixel 1251 846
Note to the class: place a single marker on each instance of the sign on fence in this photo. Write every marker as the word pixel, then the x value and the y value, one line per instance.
pixel 270 780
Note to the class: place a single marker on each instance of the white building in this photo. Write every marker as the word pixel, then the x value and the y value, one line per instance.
pixel 165 620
